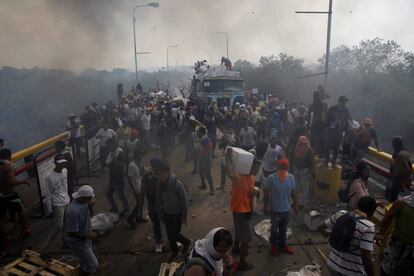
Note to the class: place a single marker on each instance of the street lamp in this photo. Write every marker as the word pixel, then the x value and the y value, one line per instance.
pixel 172 46
pixel 211 57
pixel 154 5
pixel 227 41
pixel 328 41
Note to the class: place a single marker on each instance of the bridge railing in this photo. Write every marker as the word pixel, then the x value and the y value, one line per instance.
pixel 35 162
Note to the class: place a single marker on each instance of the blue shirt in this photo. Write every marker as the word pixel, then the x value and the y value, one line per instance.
pixel 279 192
pixel 77 219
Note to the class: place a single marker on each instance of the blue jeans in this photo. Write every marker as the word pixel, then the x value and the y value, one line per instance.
pixel 83 250
pixel 278 230
pixel 156 223
pixel 119 187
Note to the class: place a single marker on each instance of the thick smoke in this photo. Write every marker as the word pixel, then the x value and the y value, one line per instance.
pixel 77 34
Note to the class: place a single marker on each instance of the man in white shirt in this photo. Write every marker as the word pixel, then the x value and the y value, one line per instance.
pixel 146 126
pixel 273 153
pixel 134 180
pixel 56 198
pixel 104 134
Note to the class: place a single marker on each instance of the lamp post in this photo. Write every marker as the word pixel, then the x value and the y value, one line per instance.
pixel 211 57
pixel 172 46
pixel 328 40
pixel 154 5
pixel 227 41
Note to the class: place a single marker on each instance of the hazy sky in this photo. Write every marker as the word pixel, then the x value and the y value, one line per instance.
pixel 77 34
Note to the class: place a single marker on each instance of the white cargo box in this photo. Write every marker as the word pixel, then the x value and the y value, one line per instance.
pixel 242 160
pixel 312 220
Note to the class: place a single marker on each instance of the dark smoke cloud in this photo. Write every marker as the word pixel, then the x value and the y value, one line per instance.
pixel 77 34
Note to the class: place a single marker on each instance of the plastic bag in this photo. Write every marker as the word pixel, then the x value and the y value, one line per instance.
pixel 103 222
pixel 262 229
pixel 307 270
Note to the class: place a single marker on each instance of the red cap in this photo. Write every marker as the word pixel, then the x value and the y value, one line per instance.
pixel 283 163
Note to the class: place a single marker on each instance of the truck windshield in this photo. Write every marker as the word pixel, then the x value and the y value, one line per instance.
pixel 220 86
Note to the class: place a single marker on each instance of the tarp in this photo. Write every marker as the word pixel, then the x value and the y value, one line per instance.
pixel 262 229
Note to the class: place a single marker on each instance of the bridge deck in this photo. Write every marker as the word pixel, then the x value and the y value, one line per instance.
pixel 130 252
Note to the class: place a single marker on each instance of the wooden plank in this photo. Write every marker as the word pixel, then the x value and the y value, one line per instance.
pixel 173 268
pixel 14 271
pixel 46 273
pixel 32 270
pixel 163 269
pixel 12 264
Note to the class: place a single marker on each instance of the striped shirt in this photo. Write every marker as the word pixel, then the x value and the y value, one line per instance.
pixel 350 263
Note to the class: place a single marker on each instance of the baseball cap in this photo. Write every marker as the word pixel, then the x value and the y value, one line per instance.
pixel 59 159
pixel 84 191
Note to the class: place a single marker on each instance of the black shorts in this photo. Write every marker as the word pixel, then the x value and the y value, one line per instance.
pixel 10 202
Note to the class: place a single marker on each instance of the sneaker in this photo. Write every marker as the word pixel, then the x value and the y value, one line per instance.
pixel 274 250
pixel 287 250
pixel 245 266
pixel 25 232
pixel 158 248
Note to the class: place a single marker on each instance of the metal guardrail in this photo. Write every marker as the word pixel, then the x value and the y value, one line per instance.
pixel 39 146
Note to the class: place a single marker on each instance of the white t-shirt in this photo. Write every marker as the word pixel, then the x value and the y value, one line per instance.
pixel 146 121
pixel 105 135
pixel 270 158
pixel 56 190
pixel 351 263
pixel 134 174
pixel 247 137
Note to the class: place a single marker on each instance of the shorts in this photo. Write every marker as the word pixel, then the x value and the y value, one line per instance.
pixel 10 202
pixel 398 257
pixel 242 232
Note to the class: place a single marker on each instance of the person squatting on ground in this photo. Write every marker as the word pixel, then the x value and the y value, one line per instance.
pixel 211 255
pixel 172 206
pixel 79 236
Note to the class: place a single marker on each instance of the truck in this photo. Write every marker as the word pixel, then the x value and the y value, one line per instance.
pixel 217 84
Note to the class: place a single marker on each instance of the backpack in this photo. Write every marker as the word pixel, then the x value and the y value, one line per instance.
pixel 343 193
pixel 192 262
pixel 343 232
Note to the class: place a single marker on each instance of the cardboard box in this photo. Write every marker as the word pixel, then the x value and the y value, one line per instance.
pixel 312 220
pixel 242 160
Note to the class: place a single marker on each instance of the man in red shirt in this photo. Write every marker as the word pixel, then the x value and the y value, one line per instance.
pixel 242 208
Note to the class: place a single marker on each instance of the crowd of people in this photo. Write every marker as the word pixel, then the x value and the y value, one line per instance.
pixel 286 138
